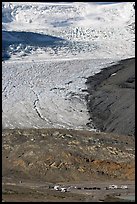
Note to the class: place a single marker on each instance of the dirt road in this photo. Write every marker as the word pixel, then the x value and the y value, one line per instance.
pixel 86 191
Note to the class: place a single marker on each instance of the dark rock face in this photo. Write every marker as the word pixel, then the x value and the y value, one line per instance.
pixel 111 98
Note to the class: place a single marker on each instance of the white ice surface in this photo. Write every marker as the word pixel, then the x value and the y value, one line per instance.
pixel 47 94
pixel 44 85
pixel 95 30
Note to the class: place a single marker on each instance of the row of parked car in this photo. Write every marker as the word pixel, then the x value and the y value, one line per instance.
pixel 66 189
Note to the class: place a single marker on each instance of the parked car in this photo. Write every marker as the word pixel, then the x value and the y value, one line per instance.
pixel 63 190
pixel 113 187
pixel 124 187
pixel 56 188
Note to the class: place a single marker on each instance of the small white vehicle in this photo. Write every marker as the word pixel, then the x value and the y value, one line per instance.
pixel 124 187
pixel 56 188
pixel 112 187
pixel 63 190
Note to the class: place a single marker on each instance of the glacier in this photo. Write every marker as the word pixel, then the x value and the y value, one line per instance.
pixel 52 49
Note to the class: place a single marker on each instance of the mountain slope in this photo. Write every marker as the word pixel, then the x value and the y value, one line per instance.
pixel 58 155
pixel 111 98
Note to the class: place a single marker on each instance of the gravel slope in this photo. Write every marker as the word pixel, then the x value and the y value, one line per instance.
pixel 111 98
pixel 61 155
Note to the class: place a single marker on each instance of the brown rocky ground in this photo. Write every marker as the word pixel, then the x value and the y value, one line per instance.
pixel 60 155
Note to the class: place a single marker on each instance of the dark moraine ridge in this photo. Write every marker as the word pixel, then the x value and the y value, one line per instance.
pixel 111 98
